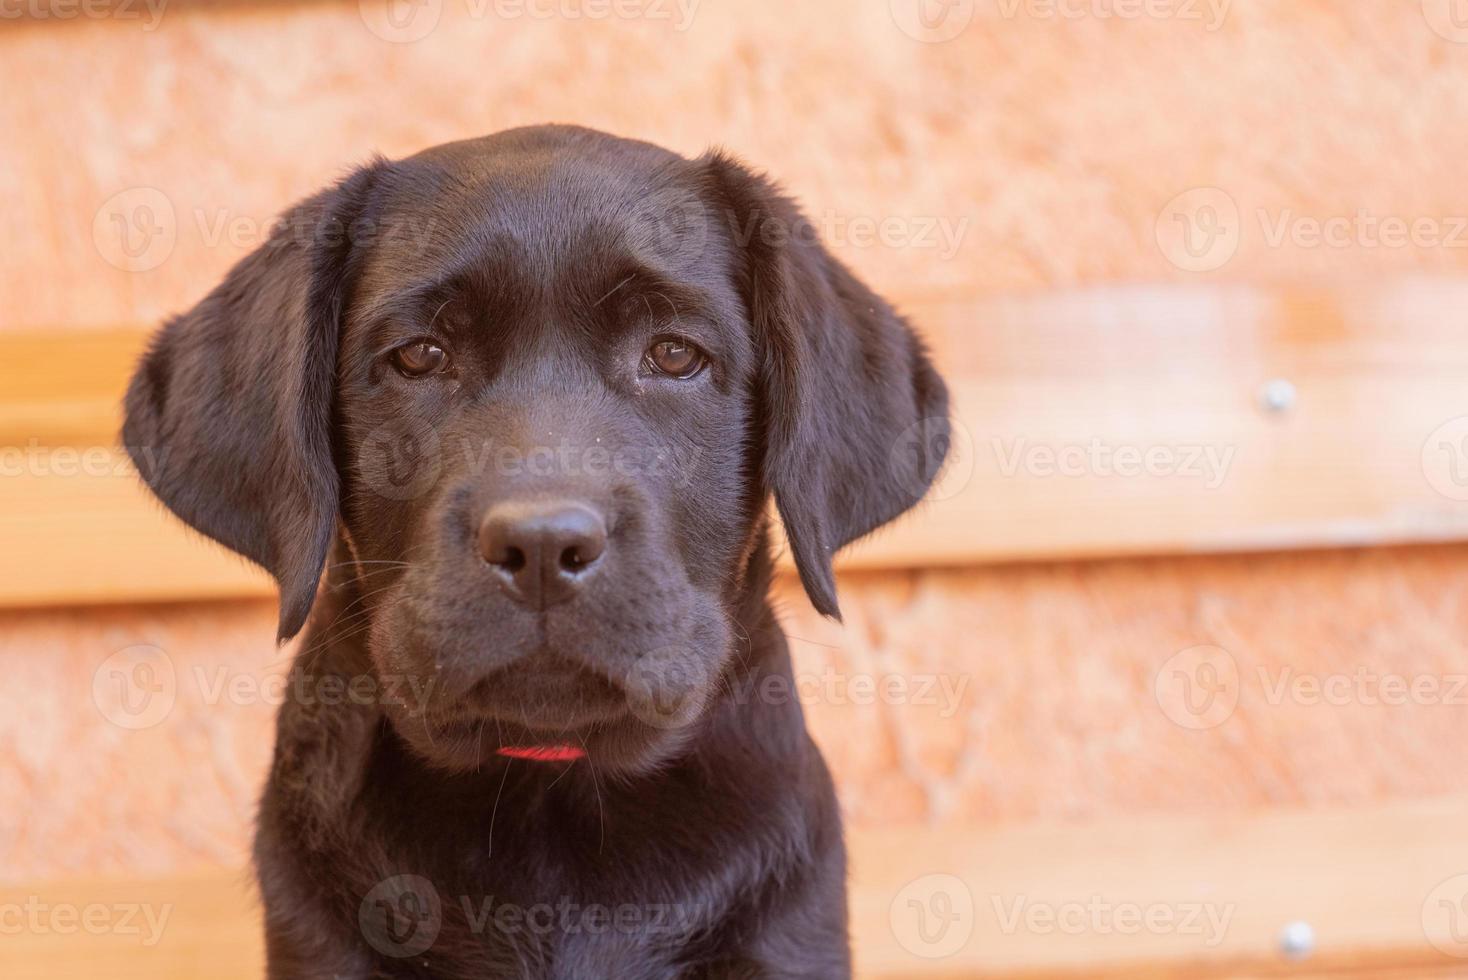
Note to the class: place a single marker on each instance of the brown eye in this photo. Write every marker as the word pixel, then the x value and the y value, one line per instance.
pixel 418 359
pixel 675 358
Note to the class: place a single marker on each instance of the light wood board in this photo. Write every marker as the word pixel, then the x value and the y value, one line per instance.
pixel 1124 421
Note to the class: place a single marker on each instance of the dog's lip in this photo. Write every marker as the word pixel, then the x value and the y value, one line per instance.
pixel 544 694
pixel 542 708
pixel 515 738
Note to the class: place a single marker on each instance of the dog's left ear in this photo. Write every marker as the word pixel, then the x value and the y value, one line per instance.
pixel 229 415
pixel 855 417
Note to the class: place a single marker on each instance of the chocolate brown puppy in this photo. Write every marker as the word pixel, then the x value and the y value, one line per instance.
pixel 503 420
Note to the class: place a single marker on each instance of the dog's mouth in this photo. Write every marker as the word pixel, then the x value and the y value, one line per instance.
pixel 552 708
pixel 544 709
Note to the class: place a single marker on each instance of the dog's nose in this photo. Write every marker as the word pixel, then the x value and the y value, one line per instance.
pixel 542 551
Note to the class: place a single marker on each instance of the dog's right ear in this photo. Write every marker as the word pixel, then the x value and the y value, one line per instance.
pixel 855 415
pixel 229 415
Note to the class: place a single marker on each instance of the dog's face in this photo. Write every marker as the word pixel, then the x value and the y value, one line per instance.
pixel 547 415
pixel 541 385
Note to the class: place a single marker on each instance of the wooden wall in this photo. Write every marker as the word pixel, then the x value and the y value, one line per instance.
pixel 1027 153
pixel 1124 229
pixel 1050 693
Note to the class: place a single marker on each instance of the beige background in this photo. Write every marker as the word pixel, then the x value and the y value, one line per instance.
pixel 1048 150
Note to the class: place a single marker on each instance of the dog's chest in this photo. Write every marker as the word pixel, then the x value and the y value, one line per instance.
pixel 536 926
pixel 540 898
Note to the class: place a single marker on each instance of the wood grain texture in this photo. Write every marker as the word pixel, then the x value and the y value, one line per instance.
pixel 1168 897
pixel 203 924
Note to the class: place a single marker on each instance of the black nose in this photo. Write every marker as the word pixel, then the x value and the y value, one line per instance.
pixel 542 551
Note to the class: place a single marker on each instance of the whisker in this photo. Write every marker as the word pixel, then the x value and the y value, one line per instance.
pixel 601 813
pixel 494 811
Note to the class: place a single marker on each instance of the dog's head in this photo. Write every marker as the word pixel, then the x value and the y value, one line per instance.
pixel 542 385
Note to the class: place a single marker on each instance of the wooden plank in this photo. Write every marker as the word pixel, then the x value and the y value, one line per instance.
pixel 205 924
pixel 90 538
pixel 1379 373
pixel 65 388
pixel 1362 879
pixel 1123 421
pixel 1163 896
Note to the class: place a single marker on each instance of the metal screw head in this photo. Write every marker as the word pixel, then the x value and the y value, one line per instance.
pixel 1297 941
pixel 1278 396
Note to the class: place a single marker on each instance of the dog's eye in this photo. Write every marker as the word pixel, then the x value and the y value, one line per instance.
pixel 674 358
pixel 420 358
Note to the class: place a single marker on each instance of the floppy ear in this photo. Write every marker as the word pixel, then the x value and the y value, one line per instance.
pixel 855 418
pixel 229 414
